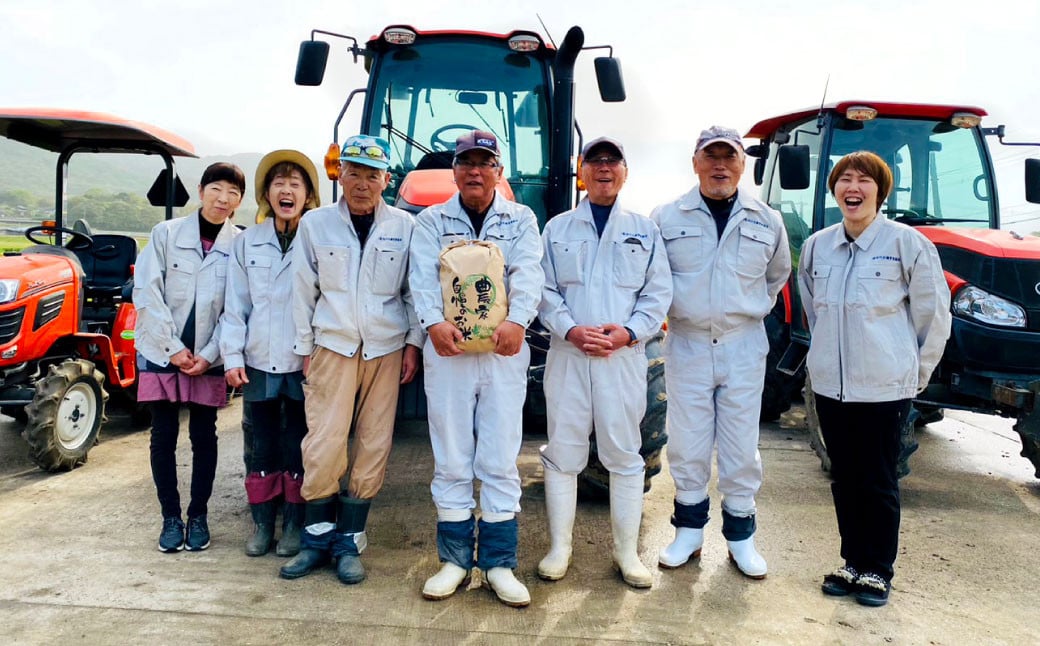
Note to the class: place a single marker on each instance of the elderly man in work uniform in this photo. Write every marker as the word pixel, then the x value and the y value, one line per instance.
pixel 475 400
pixel 607 289
pixel 356 330
pixel 729 257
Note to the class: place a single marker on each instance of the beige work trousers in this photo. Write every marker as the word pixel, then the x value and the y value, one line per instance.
pixel 339 391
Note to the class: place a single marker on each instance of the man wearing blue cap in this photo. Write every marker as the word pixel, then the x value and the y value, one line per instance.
pixel 475 400
pixel 356 329
pixel 607 288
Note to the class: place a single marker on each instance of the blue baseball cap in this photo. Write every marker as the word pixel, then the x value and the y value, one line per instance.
pixel 367 151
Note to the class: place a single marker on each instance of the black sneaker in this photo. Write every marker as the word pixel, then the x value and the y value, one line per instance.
pixel 840 582
pixel 172 537
pixel 198 534
pixel 872 589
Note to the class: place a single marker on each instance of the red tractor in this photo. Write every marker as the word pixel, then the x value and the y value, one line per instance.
pixel 944 185
pixel 425 88
pixel 66 316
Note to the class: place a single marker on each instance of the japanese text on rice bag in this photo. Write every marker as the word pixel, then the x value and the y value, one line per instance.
pixel 474 289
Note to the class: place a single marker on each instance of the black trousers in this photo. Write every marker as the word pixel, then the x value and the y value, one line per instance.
pixel 863 444
pixel 278 428
pixel 202 430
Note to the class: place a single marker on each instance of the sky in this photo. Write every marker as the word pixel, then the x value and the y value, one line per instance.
pixel 220 73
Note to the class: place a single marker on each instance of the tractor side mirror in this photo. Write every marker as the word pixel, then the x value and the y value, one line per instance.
pixel 157 193
pixel 608 77
pixel 793 161
pixel 1033 181
pixel 759 152
pixel 310 62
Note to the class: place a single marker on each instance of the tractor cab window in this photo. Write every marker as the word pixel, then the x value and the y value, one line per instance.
pixel 430 93
pixel 939 172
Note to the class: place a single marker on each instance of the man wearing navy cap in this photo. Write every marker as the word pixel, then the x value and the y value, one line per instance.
pixel 356 329
pixel 730 258
pixel 475 400
pixel 607 288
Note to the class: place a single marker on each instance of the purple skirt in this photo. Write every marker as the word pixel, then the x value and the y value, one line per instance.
pixel 207 390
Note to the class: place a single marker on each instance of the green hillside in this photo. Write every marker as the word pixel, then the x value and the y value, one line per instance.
pixel 109 188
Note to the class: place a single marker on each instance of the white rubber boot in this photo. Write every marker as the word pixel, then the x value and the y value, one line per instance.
pixel 687 545
pixel 626 513
pixel 561 499
pixel 444 584
pixel 507 587
pixel 747 559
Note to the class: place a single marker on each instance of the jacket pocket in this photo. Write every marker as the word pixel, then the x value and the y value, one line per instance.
pixel 569 261
pixel 388 268
pixel 879 289
pixel 333 267
pixel 685 247
pixel 180 282
pixel 631 259
pixel 755 249
pixel 820 278
pixel 258 274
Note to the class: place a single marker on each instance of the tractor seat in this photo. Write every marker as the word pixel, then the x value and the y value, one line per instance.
pixel 436 159
pixel 108 265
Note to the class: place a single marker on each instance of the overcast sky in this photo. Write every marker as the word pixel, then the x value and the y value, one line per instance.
pixel 221 73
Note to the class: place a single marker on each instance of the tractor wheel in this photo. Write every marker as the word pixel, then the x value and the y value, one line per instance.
pixel 813 422
pixel 1030 434
pixel 779 389
pixel 66 415
pixel 907 441
pixel 594 481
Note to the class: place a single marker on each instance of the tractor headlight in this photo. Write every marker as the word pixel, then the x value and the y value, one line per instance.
pixel 9 289
pixel 974 303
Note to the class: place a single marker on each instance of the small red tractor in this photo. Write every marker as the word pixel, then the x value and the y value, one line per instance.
pixel 425 88
pixel 945 185
pixel 66 316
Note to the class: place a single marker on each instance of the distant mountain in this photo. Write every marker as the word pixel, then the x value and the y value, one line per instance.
pixel 30 169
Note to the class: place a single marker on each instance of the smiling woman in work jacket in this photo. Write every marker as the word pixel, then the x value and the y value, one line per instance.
pixel 879 312
pixel 179 286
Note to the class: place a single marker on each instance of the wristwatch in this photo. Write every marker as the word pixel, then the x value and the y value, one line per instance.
pixel 632 340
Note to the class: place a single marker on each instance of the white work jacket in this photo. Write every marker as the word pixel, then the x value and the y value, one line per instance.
pixel 620 277
pixel 878 310
pixel 724 286
pixel 345 297
pixel 511 226
pixel 171 276
pixel 256 328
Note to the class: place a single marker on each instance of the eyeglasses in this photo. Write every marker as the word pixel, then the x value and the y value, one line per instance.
pixel 372 152
pixel 597 162
pixel 469 164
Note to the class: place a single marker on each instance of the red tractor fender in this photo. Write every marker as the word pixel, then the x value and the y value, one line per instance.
pixel 116 354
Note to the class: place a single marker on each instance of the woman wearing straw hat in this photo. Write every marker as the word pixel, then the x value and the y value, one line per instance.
pixel 256 342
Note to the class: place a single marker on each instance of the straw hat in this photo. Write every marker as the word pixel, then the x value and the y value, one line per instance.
pixel 271 160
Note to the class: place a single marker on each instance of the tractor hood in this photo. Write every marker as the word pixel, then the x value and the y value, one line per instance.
pixel 990 243
pixel 423 188
pixel 38 271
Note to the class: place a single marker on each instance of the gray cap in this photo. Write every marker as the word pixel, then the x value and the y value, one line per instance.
pixel 719 135
pixel 603 142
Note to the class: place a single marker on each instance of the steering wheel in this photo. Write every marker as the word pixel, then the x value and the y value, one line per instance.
pixel 438 143
pixel 79 241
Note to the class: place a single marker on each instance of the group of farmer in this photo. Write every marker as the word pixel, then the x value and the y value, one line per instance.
pixel 319 314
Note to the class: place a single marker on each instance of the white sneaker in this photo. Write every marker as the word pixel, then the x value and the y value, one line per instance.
pixel 747 559
pixel 687 545
pixel 507 587
pixel 444 584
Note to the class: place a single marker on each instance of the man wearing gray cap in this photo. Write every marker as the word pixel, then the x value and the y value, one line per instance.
pixel 475 400
pixel 607 288
pixel 729 258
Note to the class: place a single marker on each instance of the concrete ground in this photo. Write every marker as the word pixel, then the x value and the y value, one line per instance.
pixel 80 566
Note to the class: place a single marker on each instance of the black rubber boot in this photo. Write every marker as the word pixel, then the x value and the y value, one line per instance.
pixel 315 550
pixel 350 539
pixel 292 523
pixel 263 528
